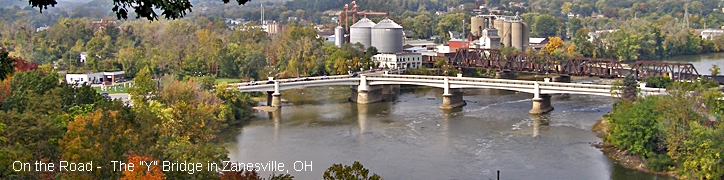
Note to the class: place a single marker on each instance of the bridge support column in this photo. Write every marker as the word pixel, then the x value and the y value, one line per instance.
pixel 390 92
pixel 276 98
pixel 541 102
pixel 541 105
pixel 451 98
pixel 562 78
pixel 366 94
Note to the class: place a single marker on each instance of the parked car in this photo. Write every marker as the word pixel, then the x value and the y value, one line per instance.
pixel 105 95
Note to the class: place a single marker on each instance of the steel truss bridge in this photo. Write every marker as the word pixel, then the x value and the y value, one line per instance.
pixel 492 59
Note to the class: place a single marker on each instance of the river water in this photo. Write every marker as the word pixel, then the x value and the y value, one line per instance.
pixel 412 139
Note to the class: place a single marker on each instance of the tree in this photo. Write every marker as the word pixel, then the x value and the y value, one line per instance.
pixel 7 64
pixel 143 86
pixel 554 43
pixel 142 8
pixel 566 7
pixel 714 70
pixel 630 88
pixel 545 25
pixel 356 172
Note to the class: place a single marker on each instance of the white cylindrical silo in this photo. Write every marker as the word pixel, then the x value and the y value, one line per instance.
pixel 338 36
pixel 361 32
pixel 387 36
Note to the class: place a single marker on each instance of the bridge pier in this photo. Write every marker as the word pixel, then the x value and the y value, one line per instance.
pixel 562 78
pixel 541 105
pixel 366 94
pixel 274 98
pixel 505 75
pixel 541 102
pixel 453 100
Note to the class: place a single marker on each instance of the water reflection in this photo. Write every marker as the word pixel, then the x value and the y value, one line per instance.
pixel 276 117
pixel 539 120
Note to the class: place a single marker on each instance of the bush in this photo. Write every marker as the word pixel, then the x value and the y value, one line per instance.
pixel 633 126
pixel 658 81
pixel 660 162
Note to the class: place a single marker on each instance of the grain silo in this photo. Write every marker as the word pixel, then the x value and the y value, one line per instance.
pixel 516 35
pixel 361 32
pixel 477 24
pixel 498 24
pixel 387 36
pixel 338 36
pixel 526 35
pixel 505 38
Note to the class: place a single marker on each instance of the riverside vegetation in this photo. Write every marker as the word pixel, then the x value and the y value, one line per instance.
pixel 679 133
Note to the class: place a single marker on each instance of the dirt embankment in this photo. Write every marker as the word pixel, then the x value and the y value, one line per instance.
pixel 621 157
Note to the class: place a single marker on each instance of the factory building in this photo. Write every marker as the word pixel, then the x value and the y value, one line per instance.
pixel 510 30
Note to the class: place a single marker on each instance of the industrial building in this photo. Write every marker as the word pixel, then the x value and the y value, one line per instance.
pixel 386 35
pixel 508 31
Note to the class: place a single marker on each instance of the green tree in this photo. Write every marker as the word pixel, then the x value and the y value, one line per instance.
pixel 545 25
pixel 143 87
pixel 354 172
pixel 7 64
pixel 714 70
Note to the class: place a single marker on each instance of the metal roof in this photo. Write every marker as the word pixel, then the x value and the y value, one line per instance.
pixel 387 24
pixel 363 23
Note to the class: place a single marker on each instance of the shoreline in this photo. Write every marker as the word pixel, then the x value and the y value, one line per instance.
pixel 622 157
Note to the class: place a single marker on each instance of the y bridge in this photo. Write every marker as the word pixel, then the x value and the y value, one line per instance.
pixel 371 88
pixel 544 64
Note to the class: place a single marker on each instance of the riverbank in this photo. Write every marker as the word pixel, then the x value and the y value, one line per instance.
pixel 622 157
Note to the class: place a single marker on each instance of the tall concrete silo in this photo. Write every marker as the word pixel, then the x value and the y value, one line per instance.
pixel 526 35
pixel 387 36
pixel 498 24
pixel 477 24
pixel 339 36
pixel 361 32
pixel 516 36
pixel 506 35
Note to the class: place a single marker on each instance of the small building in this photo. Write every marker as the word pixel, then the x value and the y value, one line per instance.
pixel 456 44
pixel 95 78
pixel 398 60
pixel 710 34
pixel 537 43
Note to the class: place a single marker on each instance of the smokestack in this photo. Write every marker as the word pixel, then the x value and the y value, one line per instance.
pixel 262 14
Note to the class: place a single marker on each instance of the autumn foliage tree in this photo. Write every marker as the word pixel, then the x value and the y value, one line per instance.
pixel 143 171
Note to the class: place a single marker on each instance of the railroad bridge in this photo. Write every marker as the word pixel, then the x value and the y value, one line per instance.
pixel 492 59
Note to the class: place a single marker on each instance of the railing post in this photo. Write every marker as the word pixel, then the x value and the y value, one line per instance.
pixel 276 88
pixel 363 83
pixel 446 84
pixel 536 90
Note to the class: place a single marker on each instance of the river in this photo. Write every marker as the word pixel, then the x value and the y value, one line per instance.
pixel 411 138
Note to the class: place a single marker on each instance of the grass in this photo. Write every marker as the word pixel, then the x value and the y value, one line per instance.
pixel 116 89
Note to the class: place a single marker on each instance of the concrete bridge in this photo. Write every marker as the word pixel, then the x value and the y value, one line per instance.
pixel 372 88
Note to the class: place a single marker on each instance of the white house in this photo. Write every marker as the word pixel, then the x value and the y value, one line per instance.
pixel 710 34
pixel 94 78
pixel 399 60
